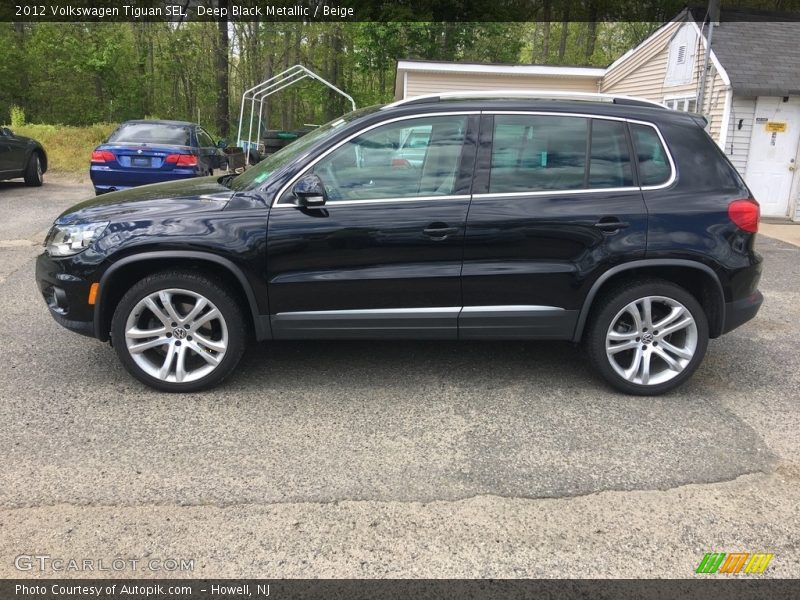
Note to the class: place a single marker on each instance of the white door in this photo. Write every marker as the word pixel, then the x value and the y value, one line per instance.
pixel 773 152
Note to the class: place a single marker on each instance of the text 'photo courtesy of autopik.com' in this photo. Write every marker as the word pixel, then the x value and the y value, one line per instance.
pixel 399 299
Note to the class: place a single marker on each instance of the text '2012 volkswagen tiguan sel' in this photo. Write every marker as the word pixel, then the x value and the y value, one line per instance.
pixel 602 220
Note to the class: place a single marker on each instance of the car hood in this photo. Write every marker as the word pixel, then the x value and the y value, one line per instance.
pixel 203 194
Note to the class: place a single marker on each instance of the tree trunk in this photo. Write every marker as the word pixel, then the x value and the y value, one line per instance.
pixel 591 33
pixel 223 100
pixel 546 30
pixel 562 46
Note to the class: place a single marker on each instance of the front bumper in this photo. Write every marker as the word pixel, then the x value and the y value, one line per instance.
pixel 66 295
pixel 740 311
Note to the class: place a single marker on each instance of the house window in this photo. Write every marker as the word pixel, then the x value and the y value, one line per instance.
pixel 684 103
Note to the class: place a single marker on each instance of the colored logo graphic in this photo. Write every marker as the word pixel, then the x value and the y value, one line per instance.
pixel 735 562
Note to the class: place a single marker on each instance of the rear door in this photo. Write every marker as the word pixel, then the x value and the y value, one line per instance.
pixel 555 203
pixel 383 257
pixel 207 150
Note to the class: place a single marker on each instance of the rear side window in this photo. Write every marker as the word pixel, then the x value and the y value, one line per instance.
pixel 151 133
pixel 654 167
pixel 538 153
pixel 610 165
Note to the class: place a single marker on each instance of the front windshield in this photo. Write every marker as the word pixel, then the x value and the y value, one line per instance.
pixel 258 174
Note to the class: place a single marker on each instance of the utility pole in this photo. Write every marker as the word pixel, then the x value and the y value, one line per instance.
pixel 713 17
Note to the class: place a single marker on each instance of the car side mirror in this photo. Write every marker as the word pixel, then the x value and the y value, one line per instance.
pixel 222 144
pixel 310 191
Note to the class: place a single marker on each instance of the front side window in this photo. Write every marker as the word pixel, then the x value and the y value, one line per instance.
pixel 654 167
pixel 404 159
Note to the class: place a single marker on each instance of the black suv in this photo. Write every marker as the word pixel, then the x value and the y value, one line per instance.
pixel 607 221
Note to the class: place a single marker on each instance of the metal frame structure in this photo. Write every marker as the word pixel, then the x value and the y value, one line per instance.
pixel 260 92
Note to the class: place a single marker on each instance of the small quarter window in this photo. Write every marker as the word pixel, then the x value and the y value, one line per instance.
pixel 538 153
pixel 610 164
pixel 654 167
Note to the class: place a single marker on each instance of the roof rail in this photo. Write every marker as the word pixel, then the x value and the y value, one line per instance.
pixel 532 95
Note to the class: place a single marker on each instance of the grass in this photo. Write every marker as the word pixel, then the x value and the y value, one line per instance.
pixel 68 148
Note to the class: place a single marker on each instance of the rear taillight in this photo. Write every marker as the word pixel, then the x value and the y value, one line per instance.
pixel 101 156
pixel 745 214
pixel 182 160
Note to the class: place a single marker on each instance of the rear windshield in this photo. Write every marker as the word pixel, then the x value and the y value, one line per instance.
pixel 151 133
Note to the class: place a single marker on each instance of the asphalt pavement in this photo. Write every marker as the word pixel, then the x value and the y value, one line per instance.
pixel 392 459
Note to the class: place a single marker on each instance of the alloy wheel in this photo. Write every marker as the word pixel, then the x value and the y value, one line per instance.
pixel 176 335
pixel 651 340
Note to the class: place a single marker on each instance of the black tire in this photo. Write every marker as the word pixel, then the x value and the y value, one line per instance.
pixel 34 176
pixel 608 310
pixel 210 289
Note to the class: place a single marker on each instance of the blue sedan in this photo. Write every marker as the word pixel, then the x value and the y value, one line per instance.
pixel 142 152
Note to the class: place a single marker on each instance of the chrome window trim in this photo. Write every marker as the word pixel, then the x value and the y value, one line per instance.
pixel 282 191
pixel 555 192
pixel 389 200
pixel 673 169
pixel 666 184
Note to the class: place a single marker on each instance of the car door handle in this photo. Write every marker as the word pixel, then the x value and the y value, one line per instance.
pixel 611 224
pixel 439 230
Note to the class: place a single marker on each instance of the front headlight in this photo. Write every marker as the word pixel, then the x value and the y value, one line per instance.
pixel 66 240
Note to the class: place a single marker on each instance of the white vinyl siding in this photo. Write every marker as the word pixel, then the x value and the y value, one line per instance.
pixel 419 83
pixel 737 145
pixel 644 72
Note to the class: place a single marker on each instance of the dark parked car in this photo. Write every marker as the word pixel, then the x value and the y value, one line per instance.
pixel 143 152
pixel 605 221
pixel 21 157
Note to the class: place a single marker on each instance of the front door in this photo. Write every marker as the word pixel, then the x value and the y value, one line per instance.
pixel 382 257
pixel 771 163
pixel 554 202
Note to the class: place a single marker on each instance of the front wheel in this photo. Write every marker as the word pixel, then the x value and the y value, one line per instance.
pixel 647 338
pixel 178 331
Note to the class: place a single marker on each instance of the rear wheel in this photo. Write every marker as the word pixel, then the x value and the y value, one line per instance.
pixel 178 331
pixel 34 176
pixel 647 338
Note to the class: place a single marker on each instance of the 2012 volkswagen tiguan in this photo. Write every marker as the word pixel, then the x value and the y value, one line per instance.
pixel 601 220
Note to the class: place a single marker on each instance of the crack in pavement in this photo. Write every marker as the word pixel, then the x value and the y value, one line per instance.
pixel 334 502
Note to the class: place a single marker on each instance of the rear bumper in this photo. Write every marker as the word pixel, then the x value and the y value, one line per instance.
pixel 105 179
pixel 740 311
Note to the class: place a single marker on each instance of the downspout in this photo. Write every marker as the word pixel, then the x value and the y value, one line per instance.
pixel 713 12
